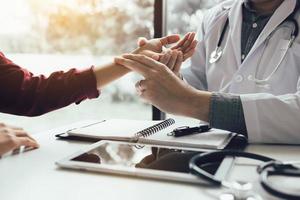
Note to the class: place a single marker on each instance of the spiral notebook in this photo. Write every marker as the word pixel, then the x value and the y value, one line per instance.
pixel 152 132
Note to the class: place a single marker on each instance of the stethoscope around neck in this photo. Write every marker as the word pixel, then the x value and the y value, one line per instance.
pixel 218 52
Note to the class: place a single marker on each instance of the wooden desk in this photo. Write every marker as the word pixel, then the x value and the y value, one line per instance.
pixel 34 176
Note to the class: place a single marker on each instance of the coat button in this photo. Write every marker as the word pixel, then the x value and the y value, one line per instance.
pixel 238 78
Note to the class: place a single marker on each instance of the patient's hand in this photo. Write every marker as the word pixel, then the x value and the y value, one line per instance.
pixel 12 138
pixel 172 57
pixel 154 48
pixel 187 45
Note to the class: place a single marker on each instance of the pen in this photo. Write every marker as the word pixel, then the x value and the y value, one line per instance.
pixel 186 130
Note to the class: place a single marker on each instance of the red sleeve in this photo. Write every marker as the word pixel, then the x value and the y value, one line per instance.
pixel 22 93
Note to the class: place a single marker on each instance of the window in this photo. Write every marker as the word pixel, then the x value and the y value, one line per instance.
pixel 50 35
pixel 184 16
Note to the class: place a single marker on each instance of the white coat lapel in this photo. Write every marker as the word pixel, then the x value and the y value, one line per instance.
pixel 235 23
pixel 285 9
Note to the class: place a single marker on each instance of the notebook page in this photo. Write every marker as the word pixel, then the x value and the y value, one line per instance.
pixel 214 139
pixel 113 129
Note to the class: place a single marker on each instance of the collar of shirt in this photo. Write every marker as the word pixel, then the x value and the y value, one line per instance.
pixel 248 5
pixel 251 14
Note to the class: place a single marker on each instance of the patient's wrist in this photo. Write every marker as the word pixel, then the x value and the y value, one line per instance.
pixel 121 67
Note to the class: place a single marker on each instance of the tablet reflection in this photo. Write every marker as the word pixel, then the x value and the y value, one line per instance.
pixel 127 155
pixel 88 157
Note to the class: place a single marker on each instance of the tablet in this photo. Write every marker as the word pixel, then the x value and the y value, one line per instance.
pixel 130 159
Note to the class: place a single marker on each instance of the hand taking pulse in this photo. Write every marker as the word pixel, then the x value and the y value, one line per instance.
pixel 153 49
pixel 165 90
pixel 12 138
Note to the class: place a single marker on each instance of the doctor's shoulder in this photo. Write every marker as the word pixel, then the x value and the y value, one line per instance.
pixel 212 15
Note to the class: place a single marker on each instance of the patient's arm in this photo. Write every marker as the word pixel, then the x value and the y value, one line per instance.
pixel 23 93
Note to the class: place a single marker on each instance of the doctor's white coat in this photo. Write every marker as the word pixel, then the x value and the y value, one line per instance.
pixel 272 111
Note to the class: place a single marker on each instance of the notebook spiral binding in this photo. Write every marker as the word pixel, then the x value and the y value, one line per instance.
pixel 154 129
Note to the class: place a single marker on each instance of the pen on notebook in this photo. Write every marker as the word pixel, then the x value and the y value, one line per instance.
pixel 186 130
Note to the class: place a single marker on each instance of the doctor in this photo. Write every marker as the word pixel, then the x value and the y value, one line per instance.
pixel 244 73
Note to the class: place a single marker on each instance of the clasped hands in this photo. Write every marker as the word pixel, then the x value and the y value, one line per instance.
pixel 172 57
pixel 162 85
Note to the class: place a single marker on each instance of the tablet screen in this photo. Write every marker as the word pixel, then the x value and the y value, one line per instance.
pixel 148 157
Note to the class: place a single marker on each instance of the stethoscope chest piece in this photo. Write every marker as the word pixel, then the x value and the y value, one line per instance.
pixel 240 191
pixel 215 55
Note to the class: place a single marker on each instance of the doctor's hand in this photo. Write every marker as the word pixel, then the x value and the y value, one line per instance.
pixel 173 59
pixel 165 90
pixel 12 138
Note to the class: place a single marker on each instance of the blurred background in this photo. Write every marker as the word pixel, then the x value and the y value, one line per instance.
pixel 50 35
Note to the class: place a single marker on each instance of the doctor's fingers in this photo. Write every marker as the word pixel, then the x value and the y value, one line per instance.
pixel 178 63
pixel 165 58
pixel 173 60
pixel 152 54
pixel 133 65
pixel 151 66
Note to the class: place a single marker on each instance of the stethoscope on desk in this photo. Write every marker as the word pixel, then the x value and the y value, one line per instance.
pixel 218 52
pixel 268 169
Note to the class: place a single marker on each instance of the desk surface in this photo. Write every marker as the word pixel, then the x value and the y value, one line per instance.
pixel 33 175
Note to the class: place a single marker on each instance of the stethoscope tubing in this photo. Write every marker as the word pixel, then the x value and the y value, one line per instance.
pixel 289 18
pixel 266 174
pixel 217 53
pixel 271 167
pixel 205 157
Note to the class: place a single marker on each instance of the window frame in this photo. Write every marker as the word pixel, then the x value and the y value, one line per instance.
pixel 160 20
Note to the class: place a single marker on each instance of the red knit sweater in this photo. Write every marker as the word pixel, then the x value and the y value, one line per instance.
pixel 22 93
